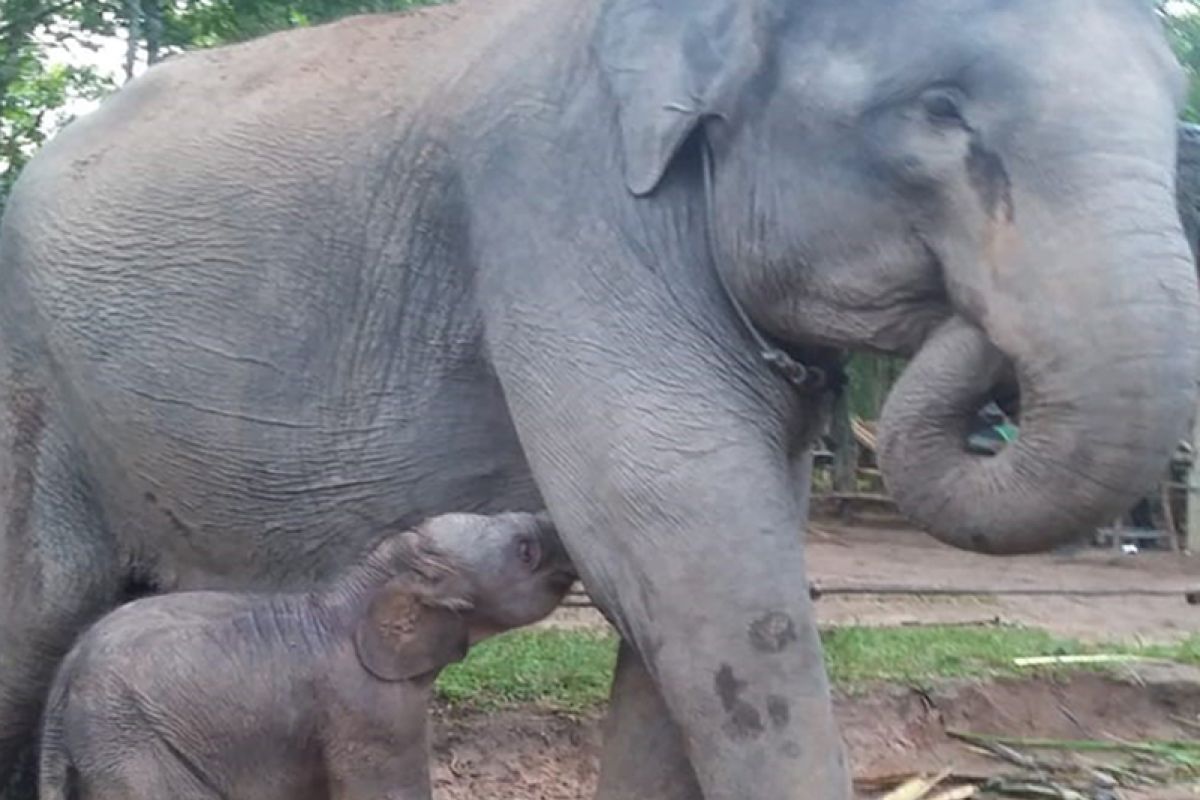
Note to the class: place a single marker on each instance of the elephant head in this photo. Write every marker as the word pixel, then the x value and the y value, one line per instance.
pixel 986 185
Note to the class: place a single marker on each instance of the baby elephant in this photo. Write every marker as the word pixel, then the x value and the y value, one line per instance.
pixel 317 695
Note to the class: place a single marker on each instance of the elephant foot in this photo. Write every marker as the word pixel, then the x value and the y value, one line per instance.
pixel 643 756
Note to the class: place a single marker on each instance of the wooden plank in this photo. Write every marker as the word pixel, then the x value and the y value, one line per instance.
pixel 862 497
pixel 1135 534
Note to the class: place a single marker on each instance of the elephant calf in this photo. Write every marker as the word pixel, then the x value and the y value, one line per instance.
pixel 322 694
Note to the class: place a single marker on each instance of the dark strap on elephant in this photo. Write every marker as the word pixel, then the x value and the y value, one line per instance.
pixel 822 373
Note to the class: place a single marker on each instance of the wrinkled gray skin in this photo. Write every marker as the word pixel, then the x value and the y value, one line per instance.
pixel 468 258
pixel 204 695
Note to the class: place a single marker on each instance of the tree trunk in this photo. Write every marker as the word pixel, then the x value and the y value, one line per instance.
pixel 133 11
pixel 154 31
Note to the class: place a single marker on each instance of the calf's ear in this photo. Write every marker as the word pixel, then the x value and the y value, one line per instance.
pixel 402 636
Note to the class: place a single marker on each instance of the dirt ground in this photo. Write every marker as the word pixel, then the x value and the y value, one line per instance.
pixel 527 755
pixel 863 555
pixel 842 555
pixel 890 732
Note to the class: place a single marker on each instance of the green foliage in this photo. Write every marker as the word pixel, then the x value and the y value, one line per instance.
pixel 1181 18
pixel 870 379
pixel 32 89
pixel 31 108
pixel 205 23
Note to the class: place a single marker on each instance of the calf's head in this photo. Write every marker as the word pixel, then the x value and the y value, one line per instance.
pixel 459 578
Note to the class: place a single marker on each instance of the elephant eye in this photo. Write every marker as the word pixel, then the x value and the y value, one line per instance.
pixel 528 553
pixel 943 106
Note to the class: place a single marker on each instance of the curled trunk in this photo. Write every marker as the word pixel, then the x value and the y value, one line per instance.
pixel 1105 350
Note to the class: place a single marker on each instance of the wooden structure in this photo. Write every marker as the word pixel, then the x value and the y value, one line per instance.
pixel 856 482
pixel 855 478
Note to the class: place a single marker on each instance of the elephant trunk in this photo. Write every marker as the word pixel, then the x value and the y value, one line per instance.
pixel 1103 336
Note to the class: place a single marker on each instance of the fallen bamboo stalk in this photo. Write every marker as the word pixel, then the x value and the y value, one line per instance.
pixel 961 793
pixel 918 788
pixel 1094 658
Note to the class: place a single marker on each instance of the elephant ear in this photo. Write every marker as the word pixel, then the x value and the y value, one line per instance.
pixel 403 636
pixel 670 63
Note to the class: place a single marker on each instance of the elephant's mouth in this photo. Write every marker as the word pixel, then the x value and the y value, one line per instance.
pixel 901 322
pixel 562 580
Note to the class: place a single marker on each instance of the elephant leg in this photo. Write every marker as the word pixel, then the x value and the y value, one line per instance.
pixel 705 574
pixel 643 756
pixel 57 572
pixel 643 753
pixel 672 489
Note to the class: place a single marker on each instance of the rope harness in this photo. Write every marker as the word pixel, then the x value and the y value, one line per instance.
pixel 815 378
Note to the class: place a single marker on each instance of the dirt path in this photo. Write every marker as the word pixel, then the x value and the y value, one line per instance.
pixel 841 555
pixel 890 731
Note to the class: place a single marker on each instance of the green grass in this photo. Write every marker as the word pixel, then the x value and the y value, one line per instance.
pixel 553 669
pixel 1186 652
pixel 570 670
pixel 921 654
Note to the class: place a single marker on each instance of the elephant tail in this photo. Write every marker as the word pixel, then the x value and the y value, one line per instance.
pixel 56 773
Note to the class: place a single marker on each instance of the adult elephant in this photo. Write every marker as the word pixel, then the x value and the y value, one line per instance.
pixel 273 296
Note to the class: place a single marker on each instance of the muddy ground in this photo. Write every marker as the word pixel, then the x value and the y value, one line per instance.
pixel 890 731
pixel 893 730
